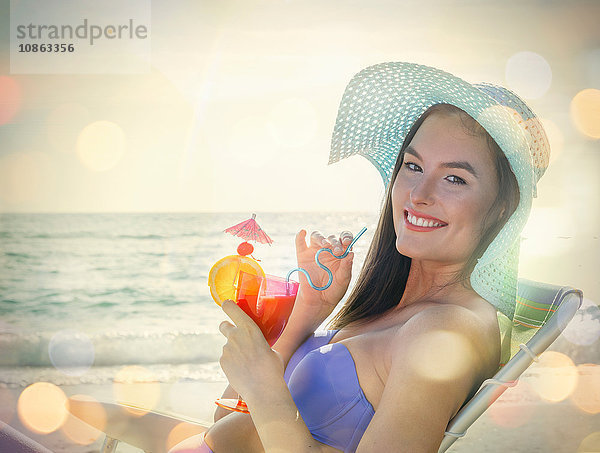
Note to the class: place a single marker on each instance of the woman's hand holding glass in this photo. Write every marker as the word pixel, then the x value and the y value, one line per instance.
pixel 312 305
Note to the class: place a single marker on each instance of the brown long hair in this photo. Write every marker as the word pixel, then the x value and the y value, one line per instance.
pixel 382 280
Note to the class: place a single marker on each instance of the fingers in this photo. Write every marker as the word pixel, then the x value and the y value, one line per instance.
pixel 318 240
pixel 236 314
pixel 301 241
pixel 226 328
pixel 337 245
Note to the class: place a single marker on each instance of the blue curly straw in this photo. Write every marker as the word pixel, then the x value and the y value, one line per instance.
pixel 322 266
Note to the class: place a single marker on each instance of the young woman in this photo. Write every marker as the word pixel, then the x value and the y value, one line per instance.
pixel 419 332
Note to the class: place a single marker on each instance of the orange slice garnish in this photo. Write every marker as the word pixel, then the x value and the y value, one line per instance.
pixel 222 277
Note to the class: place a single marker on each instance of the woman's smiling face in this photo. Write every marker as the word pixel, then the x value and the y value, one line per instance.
pixel 443 191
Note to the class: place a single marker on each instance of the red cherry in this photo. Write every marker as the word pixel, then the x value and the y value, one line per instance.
pixel 245 248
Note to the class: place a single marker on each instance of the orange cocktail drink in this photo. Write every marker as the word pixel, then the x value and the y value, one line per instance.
pixel 268 300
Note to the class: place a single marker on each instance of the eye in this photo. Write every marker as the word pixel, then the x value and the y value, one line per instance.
pixel 412 166
pixel 453 179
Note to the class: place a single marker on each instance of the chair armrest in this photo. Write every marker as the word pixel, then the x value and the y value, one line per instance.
pixel 135 426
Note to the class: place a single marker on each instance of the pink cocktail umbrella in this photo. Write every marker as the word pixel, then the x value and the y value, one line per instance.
pixel 249 230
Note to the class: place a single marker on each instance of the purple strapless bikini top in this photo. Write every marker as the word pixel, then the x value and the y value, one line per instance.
pixel 324 385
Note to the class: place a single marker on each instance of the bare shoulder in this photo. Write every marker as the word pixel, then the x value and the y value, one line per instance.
pixel 438 357
pixel 457 335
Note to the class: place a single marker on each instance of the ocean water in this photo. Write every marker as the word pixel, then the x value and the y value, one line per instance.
pixel 84 295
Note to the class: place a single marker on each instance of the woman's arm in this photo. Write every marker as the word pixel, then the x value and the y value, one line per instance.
pixel 297 330
pixel 311 307
pixel 438 357
pixel 256 372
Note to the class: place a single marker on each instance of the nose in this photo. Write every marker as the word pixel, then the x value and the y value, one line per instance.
pixel 423 192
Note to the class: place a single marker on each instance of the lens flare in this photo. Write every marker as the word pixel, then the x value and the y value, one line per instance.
pixel 183 431
pixel 71 352
pixel 442 355
pixel 41 407
pixel 585 112
pixel 10 99
pixel 80 432
pixel 557 376
pixel 136 386
pixel 293 123
pixel 528 74
pixel 587 393
pixel 101 145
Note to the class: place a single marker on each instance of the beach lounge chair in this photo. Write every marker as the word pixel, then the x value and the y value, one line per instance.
pixel 14 441
pixel 541 314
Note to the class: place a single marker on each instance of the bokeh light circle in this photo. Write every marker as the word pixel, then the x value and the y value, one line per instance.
pixel 587 393
pixel 41 407
pixel 442 355
pixel 585 112
pixel 101 145
pixel 136 386
pixel 557 376
pixel 590 444
pixel 71 352
pixel 293 122
pixel 80 432
pixel 10 99
pixel 528 74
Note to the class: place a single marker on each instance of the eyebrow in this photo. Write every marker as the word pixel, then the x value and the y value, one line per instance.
pixel 453 164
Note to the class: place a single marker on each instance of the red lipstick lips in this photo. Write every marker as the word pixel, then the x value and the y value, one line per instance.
pixel 429 223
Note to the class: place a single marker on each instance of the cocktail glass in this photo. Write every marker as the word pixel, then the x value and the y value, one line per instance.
pixel 269 301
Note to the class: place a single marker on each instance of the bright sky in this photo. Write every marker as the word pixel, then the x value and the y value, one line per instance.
pixel 238 110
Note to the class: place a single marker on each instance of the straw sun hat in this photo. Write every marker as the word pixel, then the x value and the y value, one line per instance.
pixel 382 102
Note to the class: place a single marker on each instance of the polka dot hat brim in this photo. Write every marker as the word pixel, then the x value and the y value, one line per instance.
pixel 383 101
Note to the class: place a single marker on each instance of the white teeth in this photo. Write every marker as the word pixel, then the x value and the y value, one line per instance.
pixel 418 221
